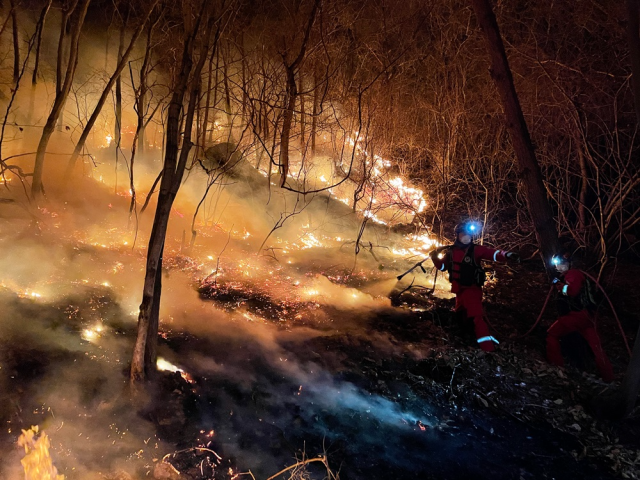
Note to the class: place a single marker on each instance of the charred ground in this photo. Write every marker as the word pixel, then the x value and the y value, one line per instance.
pixel 363 391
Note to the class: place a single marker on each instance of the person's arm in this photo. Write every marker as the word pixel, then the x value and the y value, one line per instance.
pixel 493 254
pixel 440 263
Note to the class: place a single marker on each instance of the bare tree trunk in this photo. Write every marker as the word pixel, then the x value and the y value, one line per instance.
pixel 303 116
pixel 123 57
pixel 215 90
pixel 207 104
pixel 151 350
pixel 67 10
pixel 60 99
pixel 244 77
pixel 141 99
pixel 39 29
pixel 140 105
pixel 117 135
pixel 143 361
pixel 316 110
pixel 227 93
pixel 530 174
pixel 16 42
pixel 292 92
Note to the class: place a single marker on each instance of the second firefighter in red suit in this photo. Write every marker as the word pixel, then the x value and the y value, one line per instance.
pixel 462 261
pixel 574 316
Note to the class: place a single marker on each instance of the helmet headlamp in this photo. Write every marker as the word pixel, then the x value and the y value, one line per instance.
pixel 469 228
pixel 559 259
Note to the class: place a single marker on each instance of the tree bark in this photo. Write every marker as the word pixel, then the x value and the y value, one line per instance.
pixel 207 104
pixel 315 110
pixel 227 92
pixel 143 361
pixel 16 42
pixel 303 115
pixel 39 29
pixel 61 96
pixel 117 134
pixel 530 173
pixel 142 91
pixel 292 93
pixel 67 11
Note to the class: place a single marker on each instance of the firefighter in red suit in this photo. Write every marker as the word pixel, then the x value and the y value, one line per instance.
pixel 575 316
pixel 467 277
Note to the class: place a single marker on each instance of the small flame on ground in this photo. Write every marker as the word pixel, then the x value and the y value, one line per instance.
pixel 37 461
pixel 163 364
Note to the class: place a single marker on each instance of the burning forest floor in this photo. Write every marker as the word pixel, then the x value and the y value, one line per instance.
pixel 269 362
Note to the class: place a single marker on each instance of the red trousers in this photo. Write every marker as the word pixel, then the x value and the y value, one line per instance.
pixel 469 299
pixel 582 323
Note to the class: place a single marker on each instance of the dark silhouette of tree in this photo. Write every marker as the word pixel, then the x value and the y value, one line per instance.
pixel 63 86
pixel 530 172
pixel 200 21
pixel 123 57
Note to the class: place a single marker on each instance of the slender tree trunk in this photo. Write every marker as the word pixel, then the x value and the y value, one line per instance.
pixel 39 29
pixel 316 110
pixel 530 174
pixel 215 91
pixel 151 350
pixel 59 101
pixel 286 125
pixel 123 57
pixel 303 116
pixel 292 93
pixel 16 42
pixel 227 92
pixel 67 11
pixel 141 100
pixel 143 361
pixel 117 135
pixel 244 77
pixel 207 104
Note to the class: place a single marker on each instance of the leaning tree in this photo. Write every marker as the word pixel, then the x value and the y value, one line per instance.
pixel 202 23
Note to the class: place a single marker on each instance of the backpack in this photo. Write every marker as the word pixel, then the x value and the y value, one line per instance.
pixel 585 300
pixel 471 273
pixel 587 295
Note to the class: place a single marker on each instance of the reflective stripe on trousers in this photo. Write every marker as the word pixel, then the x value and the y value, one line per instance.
pixel 488 339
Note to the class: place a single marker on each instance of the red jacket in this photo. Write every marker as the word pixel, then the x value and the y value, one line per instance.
pixel 454 257
pixel 571 283
pixel 570 298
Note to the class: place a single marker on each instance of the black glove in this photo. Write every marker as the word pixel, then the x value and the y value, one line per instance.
pixel 513 257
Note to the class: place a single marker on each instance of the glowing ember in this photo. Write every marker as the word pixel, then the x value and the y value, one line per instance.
pixel 93 333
